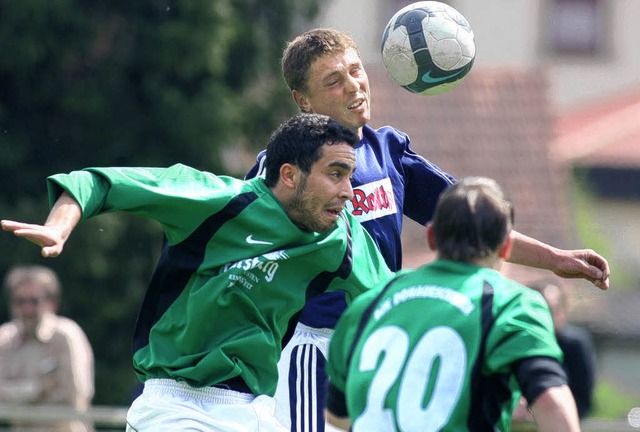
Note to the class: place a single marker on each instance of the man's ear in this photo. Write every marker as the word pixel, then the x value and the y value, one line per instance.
pixel 505 250
pixel 431 236
pixel 289 175
pixel 302 101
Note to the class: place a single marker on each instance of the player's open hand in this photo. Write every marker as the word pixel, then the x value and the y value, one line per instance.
pixel 586 264
pixel 49 239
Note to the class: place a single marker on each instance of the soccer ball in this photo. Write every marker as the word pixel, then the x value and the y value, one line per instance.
pixel 428 47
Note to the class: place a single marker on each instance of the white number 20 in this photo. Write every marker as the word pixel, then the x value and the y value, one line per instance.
pixel 393 342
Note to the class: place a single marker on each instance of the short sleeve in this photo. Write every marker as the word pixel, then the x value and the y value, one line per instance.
pixel 523 328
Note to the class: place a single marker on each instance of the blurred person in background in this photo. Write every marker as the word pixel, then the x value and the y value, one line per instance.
pixel 577 347
pixel 45 359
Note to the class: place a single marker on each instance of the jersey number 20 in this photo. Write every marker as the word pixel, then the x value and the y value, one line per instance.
pixel 393 342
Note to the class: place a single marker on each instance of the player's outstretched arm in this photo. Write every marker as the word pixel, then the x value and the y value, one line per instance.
pixel 583 263
pixel 555 411
pixel 51 237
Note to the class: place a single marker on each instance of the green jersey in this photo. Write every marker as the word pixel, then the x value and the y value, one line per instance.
pixel 233 274
pixel 435 349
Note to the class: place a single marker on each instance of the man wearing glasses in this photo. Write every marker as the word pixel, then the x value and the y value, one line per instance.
pixel 45 359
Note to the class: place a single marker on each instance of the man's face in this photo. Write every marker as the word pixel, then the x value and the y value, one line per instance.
pixel 28 304
pixel 320 195
pixel 338 87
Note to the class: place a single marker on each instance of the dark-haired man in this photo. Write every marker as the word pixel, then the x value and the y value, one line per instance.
pixel 239 262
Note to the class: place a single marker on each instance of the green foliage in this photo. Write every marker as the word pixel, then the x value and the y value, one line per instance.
pixel 129 83
pixel 590 233
pixel 585 226
pixel 610 402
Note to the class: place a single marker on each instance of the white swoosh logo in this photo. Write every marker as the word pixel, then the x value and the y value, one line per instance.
pixel 251 240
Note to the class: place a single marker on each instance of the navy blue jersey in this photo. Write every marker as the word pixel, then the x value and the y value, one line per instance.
pixel 390 181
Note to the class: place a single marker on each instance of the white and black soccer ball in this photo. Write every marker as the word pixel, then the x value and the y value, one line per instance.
pixel 428 47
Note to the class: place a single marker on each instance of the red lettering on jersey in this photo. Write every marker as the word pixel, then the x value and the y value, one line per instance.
pixel 363 204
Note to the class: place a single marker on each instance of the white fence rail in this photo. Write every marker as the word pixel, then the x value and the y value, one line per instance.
pixel 113 418
pixel 102 417
pixel 589 425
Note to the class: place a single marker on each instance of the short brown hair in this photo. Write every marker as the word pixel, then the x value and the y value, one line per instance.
pixel 307 48
pixel 472 219
pixel 37 274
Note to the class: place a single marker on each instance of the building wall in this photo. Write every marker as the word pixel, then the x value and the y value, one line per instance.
pixel 617 221
pixel 516 32
pixel 579 80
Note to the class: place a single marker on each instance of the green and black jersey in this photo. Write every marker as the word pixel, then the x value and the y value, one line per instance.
pixel 233 273
pixel 436 349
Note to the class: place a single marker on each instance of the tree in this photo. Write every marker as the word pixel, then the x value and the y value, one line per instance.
pixel 142 83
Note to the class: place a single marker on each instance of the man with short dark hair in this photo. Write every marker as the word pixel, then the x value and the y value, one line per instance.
pixel 451 345
pixel 240 260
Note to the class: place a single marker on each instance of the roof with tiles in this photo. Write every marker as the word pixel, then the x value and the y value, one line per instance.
pixel 603 134
pixel 497 123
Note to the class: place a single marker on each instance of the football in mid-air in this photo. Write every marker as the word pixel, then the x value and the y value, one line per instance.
pixel 428 47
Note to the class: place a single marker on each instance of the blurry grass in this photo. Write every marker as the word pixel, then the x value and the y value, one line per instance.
pixel 611 403
pixel 588 233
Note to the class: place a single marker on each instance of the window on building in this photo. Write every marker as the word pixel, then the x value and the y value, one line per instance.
pixel 576 27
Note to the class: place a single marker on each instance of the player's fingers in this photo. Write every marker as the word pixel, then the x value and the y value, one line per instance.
pixel 32 235
pixel 52 246
pixel 9 225
pixel 601 266
pixel 599 262
pixel 51 251
pixel 16 227
pixel 603 284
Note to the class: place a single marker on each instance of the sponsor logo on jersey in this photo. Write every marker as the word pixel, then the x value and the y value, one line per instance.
pixel 451 296
pixel 373 200
pixel 251 240
pixel 253 268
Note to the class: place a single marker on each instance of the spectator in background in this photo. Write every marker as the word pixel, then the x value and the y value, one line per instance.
pixel 45 359
pixel 577 346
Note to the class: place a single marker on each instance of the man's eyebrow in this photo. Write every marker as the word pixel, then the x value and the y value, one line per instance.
pixel 343 165
pixel 331 75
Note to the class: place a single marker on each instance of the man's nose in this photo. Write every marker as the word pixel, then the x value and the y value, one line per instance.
pixel 352 85
pixel 346 192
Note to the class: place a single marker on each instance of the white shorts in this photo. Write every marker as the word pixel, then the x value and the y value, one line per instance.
pixel 168 405
pixel 301 392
